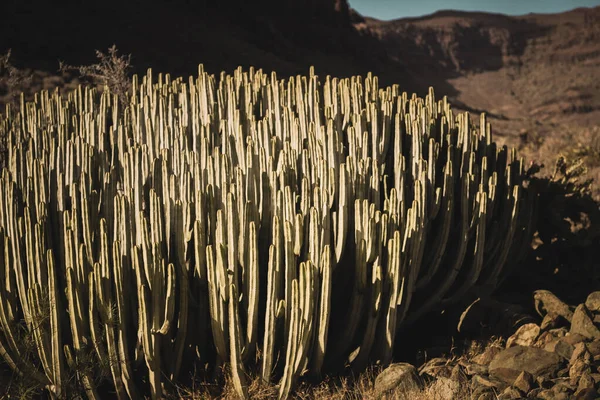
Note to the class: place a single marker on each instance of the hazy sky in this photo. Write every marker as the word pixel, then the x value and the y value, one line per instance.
pixel 392 9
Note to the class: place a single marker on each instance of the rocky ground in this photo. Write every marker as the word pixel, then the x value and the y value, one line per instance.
pixel 557 357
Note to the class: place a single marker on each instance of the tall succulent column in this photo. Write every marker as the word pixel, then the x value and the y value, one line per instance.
pixel 285 226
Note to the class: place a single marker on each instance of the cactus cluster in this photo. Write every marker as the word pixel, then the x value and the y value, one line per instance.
pixel 279 227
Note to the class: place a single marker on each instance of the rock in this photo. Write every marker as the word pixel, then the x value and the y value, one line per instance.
pixel 524 336
pixel 580 352
pixel 562 387
pixel 444 389
pixel 594 348
pixel 544 339
pixel 551 321
pixel 582 323
pixel 524 382
pixel 577 369
pixel 586 382
pixel 436 367
pixel 561 391
pixel 509 363
pixel 596 377
pixel 548 394
pixel 474 369
pixel 593 302
pixel 487 356
pixel 481 392
pixel 534 394
pixel 586 394
pixel 480 381
pixel 575 338
pixel 559 332
pixel 543 382
pixel 510 393
pixel 560 347
pixel 401 376
pixel 546 302
pixel 488 395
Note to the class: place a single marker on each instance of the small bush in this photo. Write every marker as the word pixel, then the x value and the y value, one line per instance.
pixel 111 70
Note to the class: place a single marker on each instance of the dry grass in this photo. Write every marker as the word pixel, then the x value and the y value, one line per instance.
pixel 342 388
pixel 360 387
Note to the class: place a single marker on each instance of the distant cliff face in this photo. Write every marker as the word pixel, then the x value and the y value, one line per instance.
pixel 444 41
pixel 474 42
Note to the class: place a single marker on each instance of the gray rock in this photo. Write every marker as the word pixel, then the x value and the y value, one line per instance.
pixel 509 363
pixel 402 376
pixel 593 302
pixel 524 336
pixel 582 323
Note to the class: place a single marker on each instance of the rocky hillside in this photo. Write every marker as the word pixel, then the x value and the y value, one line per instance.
pixel 537 76
pixel 176 36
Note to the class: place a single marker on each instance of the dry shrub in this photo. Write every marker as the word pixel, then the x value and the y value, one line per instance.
pixel 12 79
pixel 111 70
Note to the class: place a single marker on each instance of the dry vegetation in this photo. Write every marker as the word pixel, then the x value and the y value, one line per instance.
pixel 543 124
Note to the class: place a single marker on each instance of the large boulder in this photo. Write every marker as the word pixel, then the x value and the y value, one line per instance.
pixel 509 363
pixel 524 336
pixel 399 376
pixel 583 324
pixel 547 303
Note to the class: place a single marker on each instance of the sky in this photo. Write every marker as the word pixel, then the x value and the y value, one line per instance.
pixel 393 9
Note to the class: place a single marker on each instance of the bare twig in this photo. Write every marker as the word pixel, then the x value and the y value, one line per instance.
pixel 111 70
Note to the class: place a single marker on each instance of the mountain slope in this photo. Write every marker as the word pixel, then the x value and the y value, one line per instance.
pixel 537 76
